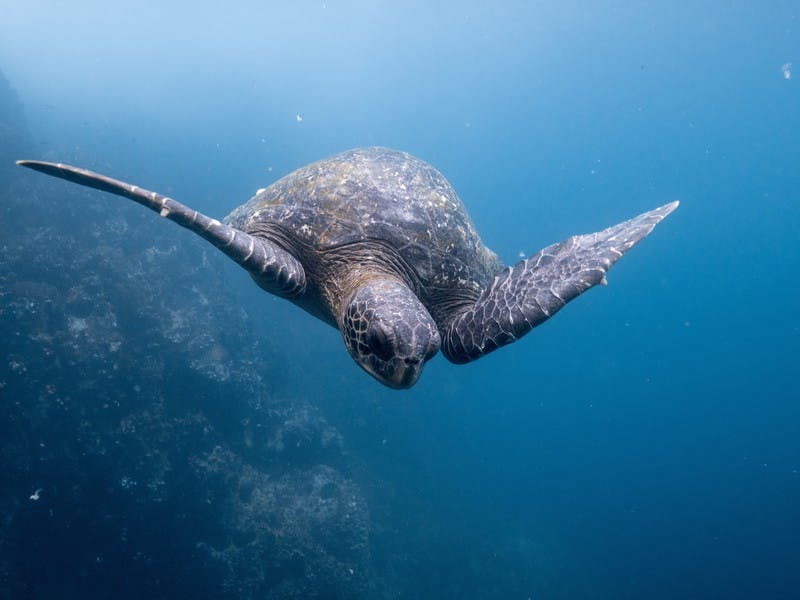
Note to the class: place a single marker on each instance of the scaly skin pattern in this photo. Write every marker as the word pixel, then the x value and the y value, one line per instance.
pixel 388 332
pixel 536 288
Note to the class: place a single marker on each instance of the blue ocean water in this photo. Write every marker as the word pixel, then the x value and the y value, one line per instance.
pixel 644 443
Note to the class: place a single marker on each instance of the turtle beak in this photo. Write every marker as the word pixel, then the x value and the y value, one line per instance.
pixel 406 375
pixel 398 374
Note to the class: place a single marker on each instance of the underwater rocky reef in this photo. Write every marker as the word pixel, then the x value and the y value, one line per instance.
pixel 143 451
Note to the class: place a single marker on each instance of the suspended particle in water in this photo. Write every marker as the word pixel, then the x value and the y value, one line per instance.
pixel 127 483
pixel 298 118
pixel 787 71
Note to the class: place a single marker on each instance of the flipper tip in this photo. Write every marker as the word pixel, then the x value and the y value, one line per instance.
pixel 36 165
pixel 53 169
pixel 660 213
pixel 668 208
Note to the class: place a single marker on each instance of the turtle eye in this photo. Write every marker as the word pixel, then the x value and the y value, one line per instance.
pixel 379 342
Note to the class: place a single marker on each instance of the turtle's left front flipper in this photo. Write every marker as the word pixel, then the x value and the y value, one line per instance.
pixel 538 287
pixel 272 267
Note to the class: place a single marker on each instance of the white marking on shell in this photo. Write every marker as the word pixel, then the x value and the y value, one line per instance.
pixel 164 211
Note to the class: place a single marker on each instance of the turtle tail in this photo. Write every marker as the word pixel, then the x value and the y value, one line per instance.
pixel 273 268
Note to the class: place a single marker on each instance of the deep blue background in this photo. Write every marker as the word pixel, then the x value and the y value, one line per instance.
pixel 646 442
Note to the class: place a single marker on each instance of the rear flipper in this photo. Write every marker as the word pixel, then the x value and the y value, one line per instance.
pixel 270 266
pixel 538 287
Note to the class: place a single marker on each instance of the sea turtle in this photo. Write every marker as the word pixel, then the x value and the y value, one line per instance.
pixel 376 243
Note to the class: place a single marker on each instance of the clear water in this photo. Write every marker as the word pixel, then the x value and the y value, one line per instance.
pixel 645 443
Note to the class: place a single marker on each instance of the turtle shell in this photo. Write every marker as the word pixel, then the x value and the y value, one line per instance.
pixel 378 194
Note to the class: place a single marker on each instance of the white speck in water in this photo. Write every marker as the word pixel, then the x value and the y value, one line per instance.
pixel 127 483
pixel 787 71
pixel 76 325
pixel 35 495
pixel 522 254
pixel 299 118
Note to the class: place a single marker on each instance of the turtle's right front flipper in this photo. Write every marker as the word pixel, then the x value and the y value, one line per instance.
pixel 273 269
pixel 536 288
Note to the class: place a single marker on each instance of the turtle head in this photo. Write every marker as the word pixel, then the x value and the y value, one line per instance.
pixel 389 333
